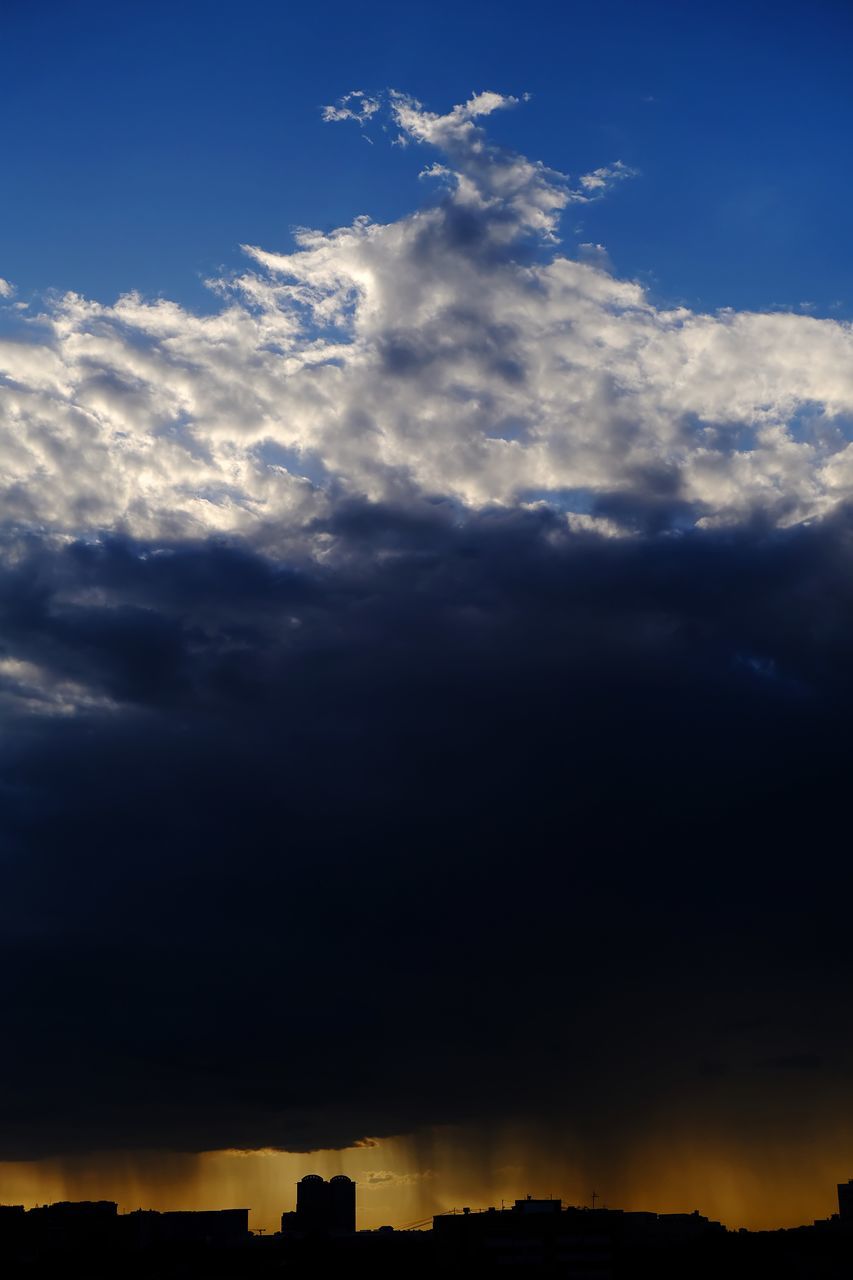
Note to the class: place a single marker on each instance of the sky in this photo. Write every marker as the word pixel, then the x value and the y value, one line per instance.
pixel 425 548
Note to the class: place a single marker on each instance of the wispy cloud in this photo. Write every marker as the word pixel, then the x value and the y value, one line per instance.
pixel 352 106
pixel 381 1178
pixel 601 180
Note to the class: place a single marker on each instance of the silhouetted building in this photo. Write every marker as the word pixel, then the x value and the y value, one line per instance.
pixel 312 1204
pixel 529 1205
pixel 13 1220
pixel 72 1223
pixel 578 1242
pixel 322 1208
pixel 84 1212
pixel 146 1227
pixel 845 1200
pixel 342 1203
pixel 532 1235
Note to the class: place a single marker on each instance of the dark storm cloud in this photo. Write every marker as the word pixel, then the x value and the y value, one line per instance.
pixel 477 818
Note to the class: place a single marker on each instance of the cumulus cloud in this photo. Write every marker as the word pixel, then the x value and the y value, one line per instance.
pixel 7 290
pixel 432 354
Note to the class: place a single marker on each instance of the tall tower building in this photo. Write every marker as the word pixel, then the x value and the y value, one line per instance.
pixel 342 1204
pixel 322 1208
pixel 312 1204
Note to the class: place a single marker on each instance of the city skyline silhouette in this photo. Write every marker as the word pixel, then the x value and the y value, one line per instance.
pixel 537 1234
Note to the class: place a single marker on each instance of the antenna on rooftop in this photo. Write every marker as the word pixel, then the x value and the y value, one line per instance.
pixel 594 1198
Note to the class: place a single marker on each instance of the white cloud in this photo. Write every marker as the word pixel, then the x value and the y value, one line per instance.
pixel 428 354
pixel 595 255
pixel 352 106
pixel 601 180
pixel 7 290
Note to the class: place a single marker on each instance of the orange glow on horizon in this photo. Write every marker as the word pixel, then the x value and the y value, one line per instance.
pixel 402 1181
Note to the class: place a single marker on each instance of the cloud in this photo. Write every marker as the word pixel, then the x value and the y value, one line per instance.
pixel 602 179
pixel 352 106
pixel 496 768
pixel 595 255
pixel 385 1177
pixel 444 353
pixel 7 290
pixel 425 684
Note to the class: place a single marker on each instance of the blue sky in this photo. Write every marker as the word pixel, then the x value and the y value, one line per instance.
pixel 144 142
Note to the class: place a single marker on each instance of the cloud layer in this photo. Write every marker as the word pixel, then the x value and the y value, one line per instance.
pixel 485 818
pixel 352 780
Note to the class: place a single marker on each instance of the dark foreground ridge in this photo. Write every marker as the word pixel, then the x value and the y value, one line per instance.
pixel 319 1237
